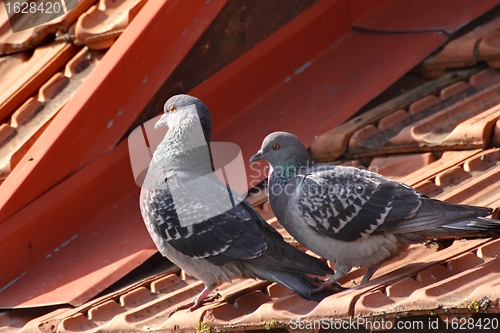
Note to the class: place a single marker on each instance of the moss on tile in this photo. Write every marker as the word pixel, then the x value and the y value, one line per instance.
pixel 202 328
pixel 270 324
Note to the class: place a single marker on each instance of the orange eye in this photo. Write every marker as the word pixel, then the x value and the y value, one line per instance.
pixel 276 146
pixel 173 108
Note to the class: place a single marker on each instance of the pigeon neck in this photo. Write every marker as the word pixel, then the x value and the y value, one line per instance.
pixel 288 169
pixel 282 179
pixel 185 146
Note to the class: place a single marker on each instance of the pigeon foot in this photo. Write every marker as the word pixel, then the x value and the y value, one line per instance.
pixel 203 298
pixel 327 285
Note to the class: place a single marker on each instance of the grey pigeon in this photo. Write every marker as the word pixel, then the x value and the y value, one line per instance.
pixel 354 217
pixel 188 225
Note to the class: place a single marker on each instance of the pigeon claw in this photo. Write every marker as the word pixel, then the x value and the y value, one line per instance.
pixel 328 285
pixel 208 299
pixel 203 298
pixel 314 281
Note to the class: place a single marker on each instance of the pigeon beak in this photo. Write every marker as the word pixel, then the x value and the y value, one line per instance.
pixel 162 121
pixel 257 156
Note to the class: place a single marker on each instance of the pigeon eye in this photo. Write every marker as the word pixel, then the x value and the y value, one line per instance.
pixel 276 146
pixel 172 108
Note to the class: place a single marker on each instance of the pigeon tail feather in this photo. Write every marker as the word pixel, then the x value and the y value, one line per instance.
pixel 295 282
pixel 477 228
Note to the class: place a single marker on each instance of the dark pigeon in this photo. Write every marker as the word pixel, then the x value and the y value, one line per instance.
pixel 354 217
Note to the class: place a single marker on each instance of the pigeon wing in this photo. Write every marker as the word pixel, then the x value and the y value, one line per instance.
pixel 349 204
pixel 219 239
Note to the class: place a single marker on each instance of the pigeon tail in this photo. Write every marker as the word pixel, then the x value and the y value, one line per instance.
pixel 443 220
pixel 296 282
pixel 478 228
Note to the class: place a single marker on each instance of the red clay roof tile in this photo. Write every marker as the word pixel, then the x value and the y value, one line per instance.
pixel 6 132
pixel 483 161
pixel 392 119
pixel 495 139
pixel 105 312
pixel 227 314
pixel 30 120
pixel 451 177
pixel 415 298
pixel 429 188
pixel 482 189
pixel 460 120
pixel 23 40
pixel 99 27
pixel 22 74
pixel 447 160
pixel 398 166
pixel 362 135
pixel 489 49
pixel 334 143
pixel 25 113
pixel 422 104
pixel 453 90
pixel 477 45
pixel 254 310
pixel 52 87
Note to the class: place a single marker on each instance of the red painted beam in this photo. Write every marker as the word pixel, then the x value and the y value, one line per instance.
pixel 75 240
pixel 416 15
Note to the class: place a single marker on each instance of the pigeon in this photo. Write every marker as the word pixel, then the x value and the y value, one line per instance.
pixel 354 217
pixel 201 225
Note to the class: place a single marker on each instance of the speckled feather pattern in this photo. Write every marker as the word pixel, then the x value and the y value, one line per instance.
pixel 354 217
pixel 234 243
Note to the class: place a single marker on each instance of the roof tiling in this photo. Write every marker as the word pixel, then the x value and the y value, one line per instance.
pixel 335 143
pixel 22 74
pixel 78 256
pixel 461 116
pixel 29 121
pixel 99 27
pixel 480 44
pixel 459 280
pixel 28 36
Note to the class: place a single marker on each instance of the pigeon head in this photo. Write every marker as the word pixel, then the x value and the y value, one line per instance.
pixel 181 109
pixel 282 149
